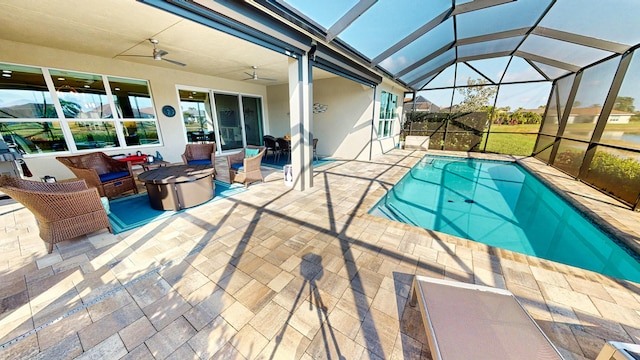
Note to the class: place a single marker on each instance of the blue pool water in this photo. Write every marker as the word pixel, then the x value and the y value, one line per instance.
pixel 502 205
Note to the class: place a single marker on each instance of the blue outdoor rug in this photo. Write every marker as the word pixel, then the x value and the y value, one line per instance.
pixel 134 211
pixel 270 161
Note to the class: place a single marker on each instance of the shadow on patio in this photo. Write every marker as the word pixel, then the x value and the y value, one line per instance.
pixel 274 273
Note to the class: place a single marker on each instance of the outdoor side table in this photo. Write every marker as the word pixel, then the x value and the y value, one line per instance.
pixel 178 187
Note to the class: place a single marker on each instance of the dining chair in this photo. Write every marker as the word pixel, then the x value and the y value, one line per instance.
pixel 270 145
pixel 315 144
pixel 284 146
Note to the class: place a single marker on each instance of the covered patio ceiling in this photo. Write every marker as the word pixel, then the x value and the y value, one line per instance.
pixel 117 29
pixel 415 43
pixel 502 40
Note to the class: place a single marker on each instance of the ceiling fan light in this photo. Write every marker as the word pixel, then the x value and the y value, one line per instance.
pixel 157 57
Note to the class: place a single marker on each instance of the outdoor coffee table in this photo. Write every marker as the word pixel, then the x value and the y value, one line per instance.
pixel 178 187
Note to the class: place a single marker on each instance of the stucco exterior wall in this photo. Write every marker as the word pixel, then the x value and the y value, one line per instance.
pixel 344 131
pixel 163 84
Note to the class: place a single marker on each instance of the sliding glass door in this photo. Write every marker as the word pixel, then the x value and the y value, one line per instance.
pixel 210 116
pixel 228 111
pixel 252 111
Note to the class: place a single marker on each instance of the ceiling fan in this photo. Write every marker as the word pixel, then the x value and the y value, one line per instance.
pixel 255 76
pixel 158 54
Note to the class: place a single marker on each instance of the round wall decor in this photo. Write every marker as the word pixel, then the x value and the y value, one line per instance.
pixel 169 111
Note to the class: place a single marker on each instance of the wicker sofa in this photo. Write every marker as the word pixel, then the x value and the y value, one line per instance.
pixel 64 210
pixel 111 177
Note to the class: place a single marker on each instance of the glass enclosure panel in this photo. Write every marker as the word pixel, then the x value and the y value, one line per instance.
pixel 252 110
pixel 571 53
pixel 587 106
pixel 445 78
pixel 464 131
pixel 94 134
pixel 464 73
pixel 500 18
pixel 440 61
pixel 543 148
pixel 616 172
pixel 82 96
pixel 509 144
pixel 623 125
pixel 428 43
pixel 425 123
pixel 520 70
pixel 475 97
pixel 24 94
pixel 462 141
pixel 489 47
pixel 436 99
pixel 140 132
pixel 551 118
pixel 492 68
pixel 551 72
pixel 132 98
pixel 370 38
pixel 564 88
pixel 527 97
pixel 597 19
pixel 30 137
pixel 228 112
pixel 196 114
pixel 570 155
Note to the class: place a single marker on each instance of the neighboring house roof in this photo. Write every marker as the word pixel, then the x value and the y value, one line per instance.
pixel 422 104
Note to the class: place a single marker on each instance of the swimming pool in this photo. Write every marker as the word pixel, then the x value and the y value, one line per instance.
pixel 499 203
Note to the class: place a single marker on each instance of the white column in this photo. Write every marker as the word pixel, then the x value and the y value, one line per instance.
pixel 300 123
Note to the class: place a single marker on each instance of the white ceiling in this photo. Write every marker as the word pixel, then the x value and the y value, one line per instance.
pixel 122 27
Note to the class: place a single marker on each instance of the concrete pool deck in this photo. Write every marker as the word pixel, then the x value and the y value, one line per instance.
pixel 275 273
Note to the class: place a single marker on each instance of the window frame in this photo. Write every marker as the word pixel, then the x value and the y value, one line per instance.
pixel 388 114
pixel 115 118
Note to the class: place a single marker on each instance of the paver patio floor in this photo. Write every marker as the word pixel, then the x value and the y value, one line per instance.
pixel 273 273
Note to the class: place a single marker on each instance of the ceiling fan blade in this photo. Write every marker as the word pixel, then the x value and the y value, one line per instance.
pixel 267 79
pixel 145 56
pixel 161 52
pixel 175 62
pixel 249 74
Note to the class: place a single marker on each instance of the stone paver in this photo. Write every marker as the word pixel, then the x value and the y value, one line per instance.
pixel 275 273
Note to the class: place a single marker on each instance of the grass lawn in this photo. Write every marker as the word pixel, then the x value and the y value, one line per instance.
pixel 502 139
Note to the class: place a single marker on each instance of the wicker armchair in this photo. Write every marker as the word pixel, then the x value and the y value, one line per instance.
pixel 64 210
pixel 200 154
pixel 244 169
pixel 110 176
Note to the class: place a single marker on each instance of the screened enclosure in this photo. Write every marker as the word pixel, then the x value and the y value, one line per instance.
pixel 555 79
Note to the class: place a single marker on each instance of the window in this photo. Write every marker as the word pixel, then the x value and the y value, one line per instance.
pixel 24 101
pixel 80 111
pixel 134 106
pixel 388 105
pixel 196 114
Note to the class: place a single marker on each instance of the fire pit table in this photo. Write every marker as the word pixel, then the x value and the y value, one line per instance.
pixel 178 187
